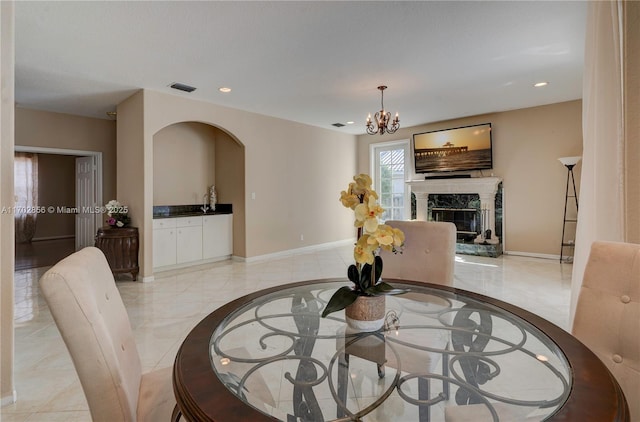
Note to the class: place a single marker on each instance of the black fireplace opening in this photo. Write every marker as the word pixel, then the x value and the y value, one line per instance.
pixel 465 219
pixel 463 210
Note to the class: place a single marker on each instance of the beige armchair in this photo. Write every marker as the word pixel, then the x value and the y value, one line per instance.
pixel 607 316
pixel 88 310
pixel 429 253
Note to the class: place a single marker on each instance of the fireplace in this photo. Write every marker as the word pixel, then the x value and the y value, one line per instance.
pixel 465 220
pixel 463 210
pixel 474 205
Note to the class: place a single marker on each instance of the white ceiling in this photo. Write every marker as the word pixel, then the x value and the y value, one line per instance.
pixel 314 62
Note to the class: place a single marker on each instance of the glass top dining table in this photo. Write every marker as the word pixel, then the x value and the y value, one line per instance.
pixel 442 355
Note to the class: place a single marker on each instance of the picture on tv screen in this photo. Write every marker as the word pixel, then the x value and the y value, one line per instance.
pixel 459 149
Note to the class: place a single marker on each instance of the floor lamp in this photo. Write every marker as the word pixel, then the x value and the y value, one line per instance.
pixel 569 163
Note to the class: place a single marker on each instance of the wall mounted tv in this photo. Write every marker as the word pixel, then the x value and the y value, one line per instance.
pixel 459 149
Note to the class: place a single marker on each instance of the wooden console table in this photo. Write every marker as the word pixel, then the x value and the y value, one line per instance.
pixel 120 246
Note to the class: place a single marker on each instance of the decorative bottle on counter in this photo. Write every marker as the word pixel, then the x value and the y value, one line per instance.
pixel 213 198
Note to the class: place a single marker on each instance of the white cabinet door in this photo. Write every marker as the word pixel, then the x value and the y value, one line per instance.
pixel 164 247
pixel 217 236
pixel 189 244
pixel 189 239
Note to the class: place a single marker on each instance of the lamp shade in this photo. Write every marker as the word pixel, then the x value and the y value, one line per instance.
pixel 570 161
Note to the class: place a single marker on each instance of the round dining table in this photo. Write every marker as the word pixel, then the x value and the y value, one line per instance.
pixel 443 354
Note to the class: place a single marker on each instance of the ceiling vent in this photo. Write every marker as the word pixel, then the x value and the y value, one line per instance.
pixel 337 124
pixel 182 87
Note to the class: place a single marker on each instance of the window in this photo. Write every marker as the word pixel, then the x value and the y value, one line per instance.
pixel 25 176
pixel 390 171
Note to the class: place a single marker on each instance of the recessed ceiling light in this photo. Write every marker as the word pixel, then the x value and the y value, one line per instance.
pixel 539 84
pixel 350 122
pixel 224 89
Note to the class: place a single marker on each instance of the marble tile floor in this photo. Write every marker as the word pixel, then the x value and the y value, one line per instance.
pixel 163 312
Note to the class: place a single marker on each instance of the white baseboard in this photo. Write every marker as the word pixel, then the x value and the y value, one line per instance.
pixel 38 239
pixel 533 255
pixel 9 399
pixel 298 251
pixel 189 265
pixel 147 279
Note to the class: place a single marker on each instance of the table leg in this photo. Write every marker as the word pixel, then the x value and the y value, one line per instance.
pixel 380 371
pixel 423 394
pixel 343 382
pixel 445 373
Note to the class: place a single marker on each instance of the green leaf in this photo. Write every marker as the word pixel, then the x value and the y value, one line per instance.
pixel 365 277
pixel 366 280
pixel 384 288
pixel 342 298
pixel 378 268
pixel 352 274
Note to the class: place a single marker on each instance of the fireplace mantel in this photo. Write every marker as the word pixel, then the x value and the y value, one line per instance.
pixel 485 187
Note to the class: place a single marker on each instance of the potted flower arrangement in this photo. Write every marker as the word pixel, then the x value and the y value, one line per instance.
pixel 118 214
pixel 365 299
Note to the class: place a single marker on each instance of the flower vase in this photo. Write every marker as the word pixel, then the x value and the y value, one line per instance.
pixel 366 314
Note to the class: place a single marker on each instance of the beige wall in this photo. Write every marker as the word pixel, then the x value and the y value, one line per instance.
pixel 56 187
pixel 229 179
pixel 183 163
pixel 526 146
pixel 7 262
pixel 132 171
pixel 632 122
pixel 35 128
pixel 296 171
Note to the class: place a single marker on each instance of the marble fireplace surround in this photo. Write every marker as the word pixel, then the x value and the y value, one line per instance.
pixel 485 187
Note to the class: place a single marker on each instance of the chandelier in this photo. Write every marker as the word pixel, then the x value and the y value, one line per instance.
pixel 382 119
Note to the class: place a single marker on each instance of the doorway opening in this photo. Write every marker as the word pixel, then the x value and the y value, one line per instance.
pixel 62 209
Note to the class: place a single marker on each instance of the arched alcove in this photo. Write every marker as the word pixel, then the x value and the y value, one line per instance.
pixel 279 159
pixel 191 156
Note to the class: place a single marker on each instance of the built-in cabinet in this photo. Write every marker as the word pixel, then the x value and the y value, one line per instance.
pixel 182 241
pixel 188 239
pixel 164 242
pixel 217 235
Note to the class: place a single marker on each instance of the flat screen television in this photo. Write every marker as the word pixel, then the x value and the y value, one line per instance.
pixel 459 149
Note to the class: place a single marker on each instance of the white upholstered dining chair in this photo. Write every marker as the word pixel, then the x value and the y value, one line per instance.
pixel 429 254
pixel 88 310
pixel 607 318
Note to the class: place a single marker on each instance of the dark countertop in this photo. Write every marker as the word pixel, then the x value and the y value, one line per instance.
pixel 189 214
pixel 174 211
